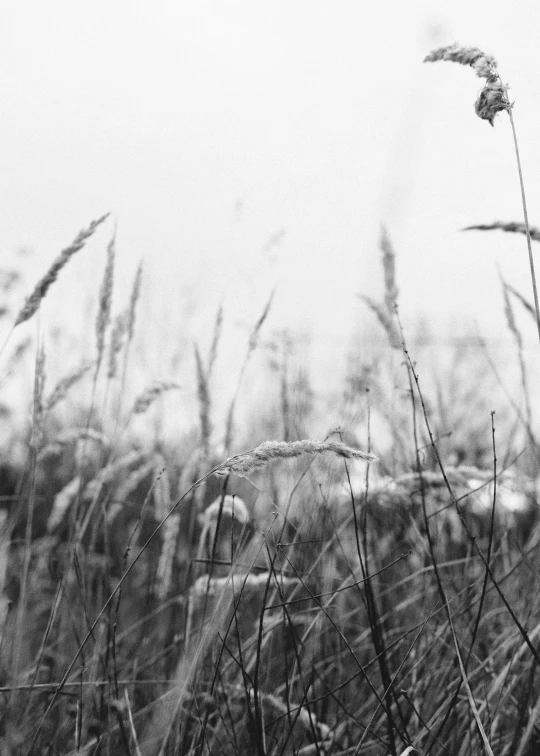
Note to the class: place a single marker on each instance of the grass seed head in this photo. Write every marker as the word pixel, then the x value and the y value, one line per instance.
pixel 241 464
pixel 494 96
pixel 105 299
pixel 484 65
pixel 42 287
pixel 151 393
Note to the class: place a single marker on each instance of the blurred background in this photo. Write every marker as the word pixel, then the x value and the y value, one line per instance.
pixel 242 147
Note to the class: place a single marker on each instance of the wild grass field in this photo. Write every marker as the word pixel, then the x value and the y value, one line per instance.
pixel 361 578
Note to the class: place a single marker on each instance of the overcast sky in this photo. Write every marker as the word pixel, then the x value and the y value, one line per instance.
pixel 240 145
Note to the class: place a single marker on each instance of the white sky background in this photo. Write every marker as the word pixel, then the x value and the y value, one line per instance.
pixel 207 127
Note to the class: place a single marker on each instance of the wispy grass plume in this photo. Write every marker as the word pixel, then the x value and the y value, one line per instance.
pixel 253 460
pixel 42 287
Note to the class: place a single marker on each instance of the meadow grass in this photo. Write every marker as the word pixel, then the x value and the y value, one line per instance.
pixel 371 592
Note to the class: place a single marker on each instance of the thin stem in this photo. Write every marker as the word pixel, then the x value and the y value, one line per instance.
pixel 526 220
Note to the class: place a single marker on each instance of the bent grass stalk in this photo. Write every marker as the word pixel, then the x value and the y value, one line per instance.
pixel 493 99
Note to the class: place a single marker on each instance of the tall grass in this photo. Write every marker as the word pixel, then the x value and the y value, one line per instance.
pixel 372 592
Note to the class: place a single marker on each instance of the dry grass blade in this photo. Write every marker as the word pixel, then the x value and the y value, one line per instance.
pixel 511 228
pixel 33 301
pixel 253 460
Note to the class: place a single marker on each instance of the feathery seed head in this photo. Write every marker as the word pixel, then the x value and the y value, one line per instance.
pixel 253 460
pixel 105 299
pixel 494 96
pixel 484 65
pixel 41 288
